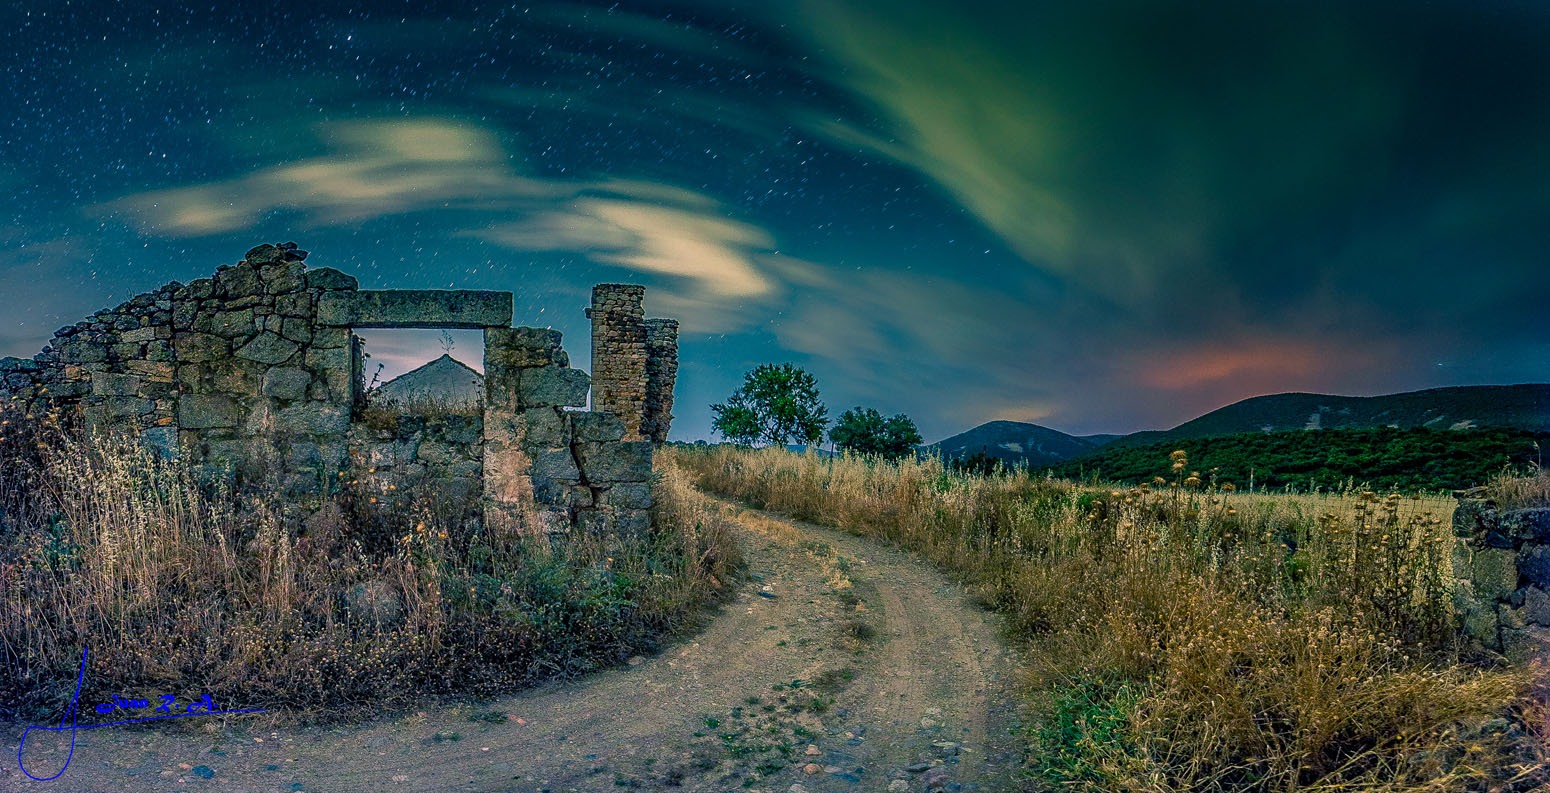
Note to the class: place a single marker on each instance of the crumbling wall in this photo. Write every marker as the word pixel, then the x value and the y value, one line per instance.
pixel 253 375
pixel 263 390
pixel 400 459
pixel 115 366
pixel 530 471
pixel 1502 561
pixel 661 375
pixel 634 362
pixel 229 370
pixel 619 353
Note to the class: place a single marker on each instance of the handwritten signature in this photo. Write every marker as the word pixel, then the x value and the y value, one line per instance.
pixel 201 707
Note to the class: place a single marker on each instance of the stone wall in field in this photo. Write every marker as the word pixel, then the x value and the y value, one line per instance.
pixel 405 461
pixel 1502 560
pixel 254 376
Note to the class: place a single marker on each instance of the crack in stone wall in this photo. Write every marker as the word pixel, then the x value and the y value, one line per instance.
pixel 253 375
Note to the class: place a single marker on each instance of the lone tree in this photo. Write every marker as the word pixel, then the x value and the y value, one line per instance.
pixel 865 430
pixel 776 405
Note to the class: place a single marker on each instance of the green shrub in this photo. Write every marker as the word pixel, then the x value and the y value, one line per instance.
pixel 1086 723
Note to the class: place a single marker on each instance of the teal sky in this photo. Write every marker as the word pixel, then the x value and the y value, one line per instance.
pixel 1098 216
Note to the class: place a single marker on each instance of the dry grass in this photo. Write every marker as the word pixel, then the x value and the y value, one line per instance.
pixel 381 414
pixel 1187 639
pixel 182 591
pixel 1510 492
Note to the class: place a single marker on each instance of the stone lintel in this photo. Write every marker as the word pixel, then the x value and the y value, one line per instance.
pixel 415 308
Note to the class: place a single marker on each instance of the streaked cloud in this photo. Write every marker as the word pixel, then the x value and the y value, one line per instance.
pixel 651 238
pixel 381 168
pixel 1082 140
pixel 1252 365
pixel 1102 216
pixel 929 345
pixel 376 168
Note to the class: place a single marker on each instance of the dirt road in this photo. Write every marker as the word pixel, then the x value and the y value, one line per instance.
pixel 842 665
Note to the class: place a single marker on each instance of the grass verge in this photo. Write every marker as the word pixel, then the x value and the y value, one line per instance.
pixel 1184 638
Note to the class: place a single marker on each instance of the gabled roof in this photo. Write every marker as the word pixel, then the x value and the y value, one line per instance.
pixel 445 379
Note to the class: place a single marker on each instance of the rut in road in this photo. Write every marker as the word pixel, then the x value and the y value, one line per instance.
pixel 841 665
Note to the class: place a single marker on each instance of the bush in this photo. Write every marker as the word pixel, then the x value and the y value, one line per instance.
pixel 865 431
pixel 1516 492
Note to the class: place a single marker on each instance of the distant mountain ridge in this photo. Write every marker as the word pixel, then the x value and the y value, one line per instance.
pixel 1015 441
pixel 1520 407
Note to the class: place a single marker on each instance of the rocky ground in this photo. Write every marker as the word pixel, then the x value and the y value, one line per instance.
pixel 842 665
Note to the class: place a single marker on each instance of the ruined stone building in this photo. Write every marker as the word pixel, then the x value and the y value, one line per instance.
pixel 255 375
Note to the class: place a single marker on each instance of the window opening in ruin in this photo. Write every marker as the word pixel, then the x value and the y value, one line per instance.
pixel 422 370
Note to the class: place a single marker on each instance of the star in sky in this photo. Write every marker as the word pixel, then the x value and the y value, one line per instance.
pixel 1101 217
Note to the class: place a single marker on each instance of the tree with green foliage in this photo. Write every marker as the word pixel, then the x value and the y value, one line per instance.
pixel 776 405
pixel 866 431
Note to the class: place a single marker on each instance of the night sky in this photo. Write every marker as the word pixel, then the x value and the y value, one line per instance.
pixel 1098 216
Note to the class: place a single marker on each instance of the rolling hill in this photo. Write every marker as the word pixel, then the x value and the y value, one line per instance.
pixel 1014 442
pixel 445 380
pixel 1521 407
pixel 1524 408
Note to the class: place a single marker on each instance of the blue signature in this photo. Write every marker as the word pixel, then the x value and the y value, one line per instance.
pixel 206 707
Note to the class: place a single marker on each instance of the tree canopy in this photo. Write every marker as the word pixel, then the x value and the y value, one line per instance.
pixel 776 405
pixel 866 431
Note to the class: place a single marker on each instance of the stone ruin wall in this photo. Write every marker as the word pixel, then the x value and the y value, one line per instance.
pixel 634 362
pixel 1502 561
pixel 661 374
pixel 619 354
pixel 254 376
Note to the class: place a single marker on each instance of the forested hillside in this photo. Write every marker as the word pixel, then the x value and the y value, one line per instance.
pixel 1384 457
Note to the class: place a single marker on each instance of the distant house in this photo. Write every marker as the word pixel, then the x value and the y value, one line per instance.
pixel 444 382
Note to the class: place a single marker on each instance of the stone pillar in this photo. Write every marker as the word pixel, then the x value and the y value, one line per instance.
pixel 1502 562
pixel 619 354
pixel 661 374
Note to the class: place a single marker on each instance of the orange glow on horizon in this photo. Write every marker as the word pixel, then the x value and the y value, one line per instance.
pixel 1260 367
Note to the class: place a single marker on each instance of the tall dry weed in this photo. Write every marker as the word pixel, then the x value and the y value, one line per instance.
pixel 1181 637
pixel 183 589
pixel 1511 492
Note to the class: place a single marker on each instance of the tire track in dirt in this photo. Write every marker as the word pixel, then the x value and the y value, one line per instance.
pixel 839 664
